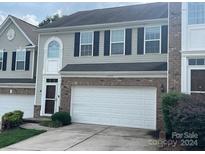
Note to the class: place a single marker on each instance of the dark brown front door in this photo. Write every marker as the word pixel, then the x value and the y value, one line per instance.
pixel 50 99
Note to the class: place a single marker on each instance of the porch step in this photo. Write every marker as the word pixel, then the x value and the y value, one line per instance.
pixel 36 120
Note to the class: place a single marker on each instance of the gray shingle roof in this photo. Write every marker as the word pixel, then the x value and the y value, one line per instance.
pixel 148 66
pixel 28 29
pixel 113 15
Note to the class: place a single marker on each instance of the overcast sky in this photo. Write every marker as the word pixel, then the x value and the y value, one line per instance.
pixel 36 12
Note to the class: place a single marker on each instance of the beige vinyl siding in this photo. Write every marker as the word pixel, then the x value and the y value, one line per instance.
pixel 68 51
pixel 19 42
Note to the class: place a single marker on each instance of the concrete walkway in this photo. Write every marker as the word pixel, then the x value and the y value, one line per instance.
pixel 81 137
pixel 36 126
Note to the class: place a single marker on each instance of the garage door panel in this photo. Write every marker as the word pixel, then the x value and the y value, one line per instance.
pixel 112 114
pixel 108 105
pixel 10 103
pixel 120 106
pixel 103 110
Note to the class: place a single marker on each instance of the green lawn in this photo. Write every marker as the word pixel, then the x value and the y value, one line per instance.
pixel 16 135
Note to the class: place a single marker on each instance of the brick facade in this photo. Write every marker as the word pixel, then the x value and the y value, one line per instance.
pixel 67 83
pixel 18 91
pixel 174 61
pixel 37 110
pixel 199 96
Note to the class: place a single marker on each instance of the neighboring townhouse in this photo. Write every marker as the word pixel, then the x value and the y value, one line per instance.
pixel 192 49
pixel 105 66
pixel 186 48
pixel 18 54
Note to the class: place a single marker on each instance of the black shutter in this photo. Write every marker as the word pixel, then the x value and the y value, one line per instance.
pixel 164 39
pixel 27 63
pixel 96 43
pixel 4 61
pixel 107 43
pixel 140 40
pixel 77 44
pixel 128 42
pixel 13 61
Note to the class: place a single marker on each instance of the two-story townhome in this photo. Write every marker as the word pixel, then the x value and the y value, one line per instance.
pixel 105 66
pixel 192 49
pixel 18 54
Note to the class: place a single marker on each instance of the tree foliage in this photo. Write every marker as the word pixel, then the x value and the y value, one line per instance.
pixel 49 20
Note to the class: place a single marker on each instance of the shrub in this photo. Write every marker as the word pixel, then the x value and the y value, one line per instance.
pixel 188 115
pixel 12 119
pixel 169 100
pixel 53 124
pixel 63 117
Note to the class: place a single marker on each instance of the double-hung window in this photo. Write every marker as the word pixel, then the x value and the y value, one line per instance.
pixel 20 59
pixel 117 42
pixel 152 39
pixel 86 43
pixel 196 13
pixel 1 59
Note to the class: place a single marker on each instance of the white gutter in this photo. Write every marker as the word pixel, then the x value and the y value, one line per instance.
pixel 127 74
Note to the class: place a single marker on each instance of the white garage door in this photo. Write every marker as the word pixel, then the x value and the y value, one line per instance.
pixel 119 106
pixel 10 103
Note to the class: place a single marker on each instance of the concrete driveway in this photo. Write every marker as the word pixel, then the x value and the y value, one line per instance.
pixel 81 137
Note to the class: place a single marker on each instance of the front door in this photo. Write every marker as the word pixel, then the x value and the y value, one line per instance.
pixel 50 100
pixel 50 97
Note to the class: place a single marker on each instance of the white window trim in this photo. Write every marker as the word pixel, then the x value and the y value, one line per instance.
pixel 110 53
pixel 20 50
pixel 2 51
pixel 58 93
pixel 52 38
pixel 160 33
pixel 86 43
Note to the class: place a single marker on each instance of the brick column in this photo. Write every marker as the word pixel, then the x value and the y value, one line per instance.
pixel 174 66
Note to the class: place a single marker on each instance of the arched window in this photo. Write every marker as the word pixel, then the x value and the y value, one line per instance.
pixel 53 49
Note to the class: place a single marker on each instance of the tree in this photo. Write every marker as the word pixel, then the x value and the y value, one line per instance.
pixel 49 20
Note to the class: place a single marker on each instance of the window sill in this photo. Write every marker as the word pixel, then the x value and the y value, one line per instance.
pixel 20 70
pixel 199 92
pixel 153 53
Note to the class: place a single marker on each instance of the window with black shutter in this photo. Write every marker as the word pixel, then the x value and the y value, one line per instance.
pixel 164 39
pixel 20 59
pixel 96 43
pixel 86 43
pixel 27 62
pixel 107 43
pixel 117 42
pixel 13 65
pixel 77 44
pixel 128 42
pixel 4 61
pixel 140 40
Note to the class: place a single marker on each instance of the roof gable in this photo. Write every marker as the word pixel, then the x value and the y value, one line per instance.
pixel 26 29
